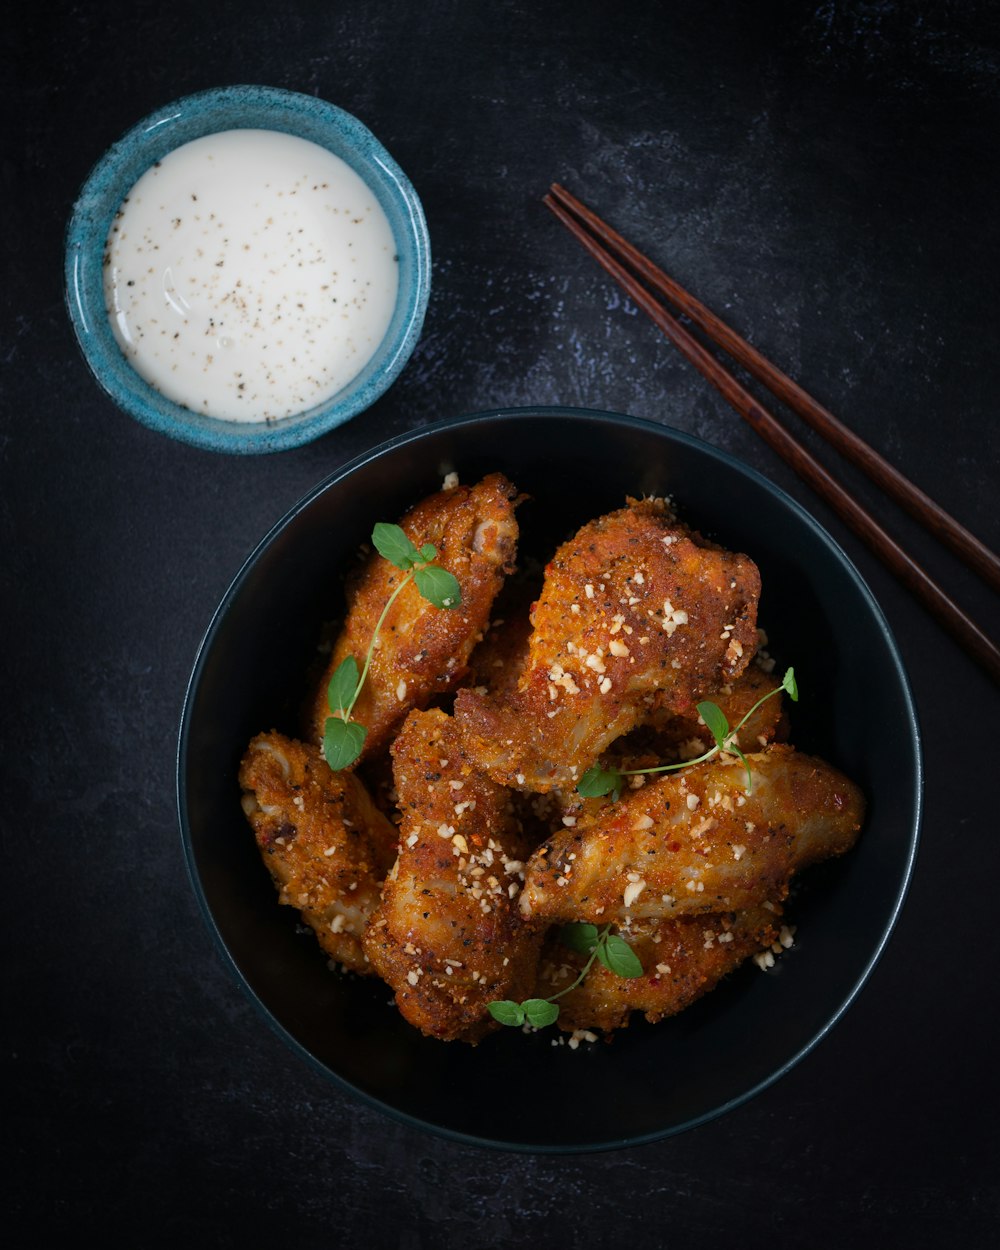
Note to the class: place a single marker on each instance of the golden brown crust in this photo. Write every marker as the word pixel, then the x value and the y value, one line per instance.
pixel 636 613
pixel 696 841
pixel 448 936
pixel 682 959
pixel 678 736
pixel 423 651
pixel 324 842
pixel 497 661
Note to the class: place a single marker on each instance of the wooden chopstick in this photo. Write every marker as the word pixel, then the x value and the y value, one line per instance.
pixel 944 609
pixel 942 524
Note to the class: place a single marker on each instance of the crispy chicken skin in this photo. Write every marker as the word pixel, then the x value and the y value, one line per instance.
pixel 422 650
pixel 636 613
pixel 448 936
pixel 496 662
pixel 683 736
pixel 681 959
pixel 324 842
pixel 670 739
pixel 697 842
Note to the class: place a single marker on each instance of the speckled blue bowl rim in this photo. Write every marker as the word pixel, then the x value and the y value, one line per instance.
pixel 910 726
pixel 232 108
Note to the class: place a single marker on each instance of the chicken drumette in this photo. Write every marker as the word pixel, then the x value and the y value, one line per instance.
pixel 325 844
pixel 448 936
pixel 422 650
pixel 637 614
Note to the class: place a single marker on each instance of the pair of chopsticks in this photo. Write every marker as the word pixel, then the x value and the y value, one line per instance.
pixel 610 250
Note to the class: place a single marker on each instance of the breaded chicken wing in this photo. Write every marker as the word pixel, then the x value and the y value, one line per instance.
pixel 697 842
pixel 422 650
pixel 324 842
pixel 637 613
pixel 448 936
pixel 681 959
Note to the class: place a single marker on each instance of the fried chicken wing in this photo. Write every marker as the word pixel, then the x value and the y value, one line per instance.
pixel 637 613
pixel 423 651
pixel 682 959
pixel 448 936
pixel 325 844
pixel 697 842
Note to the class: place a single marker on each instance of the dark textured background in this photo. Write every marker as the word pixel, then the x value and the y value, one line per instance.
pixel 825 176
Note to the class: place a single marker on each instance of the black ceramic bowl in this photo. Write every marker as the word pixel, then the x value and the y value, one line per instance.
pixel 513 1090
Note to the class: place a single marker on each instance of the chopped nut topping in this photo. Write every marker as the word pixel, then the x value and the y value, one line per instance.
pixel 632 892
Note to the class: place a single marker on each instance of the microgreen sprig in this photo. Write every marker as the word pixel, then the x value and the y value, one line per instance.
pixel 598 781
pixel 613 952
pixel 343 738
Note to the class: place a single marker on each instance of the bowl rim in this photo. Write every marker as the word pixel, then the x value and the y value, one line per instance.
pixel 83 289
pixel 715 453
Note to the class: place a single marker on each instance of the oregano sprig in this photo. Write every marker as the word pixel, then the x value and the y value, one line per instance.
pixel 343 738
pixel 598 781
pixel 612 951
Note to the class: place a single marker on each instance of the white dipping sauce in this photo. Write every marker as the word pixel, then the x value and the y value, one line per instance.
pixel 250 275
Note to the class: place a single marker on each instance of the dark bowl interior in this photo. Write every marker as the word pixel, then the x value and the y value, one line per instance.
pixel 518 1091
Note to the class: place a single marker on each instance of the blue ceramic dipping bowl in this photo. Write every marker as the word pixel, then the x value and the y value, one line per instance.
pixel 239 108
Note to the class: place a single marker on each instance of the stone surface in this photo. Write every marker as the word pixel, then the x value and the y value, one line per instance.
pixel 824 176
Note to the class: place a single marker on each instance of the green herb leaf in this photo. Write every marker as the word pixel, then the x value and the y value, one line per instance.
pixel 343 686
pixel 539 1012
pixel 789 684
pixel 394 546
pixel 342 742
pixel 343 739
pixel 579 937
pixel 506 1012
pixel 597 781
pixel 715 719
pixel 620 957
pixel 438 586
pixel 746 764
